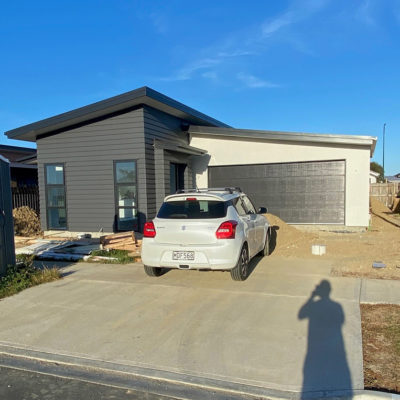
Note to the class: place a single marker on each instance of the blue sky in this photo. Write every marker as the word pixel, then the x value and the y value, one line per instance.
pixel 325 66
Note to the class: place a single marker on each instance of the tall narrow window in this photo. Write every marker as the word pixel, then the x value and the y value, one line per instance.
pixel 126 195
pixel 55 196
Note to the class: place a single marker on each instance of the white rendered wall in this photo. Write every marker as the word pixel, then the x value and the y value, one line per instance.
pixel 231 151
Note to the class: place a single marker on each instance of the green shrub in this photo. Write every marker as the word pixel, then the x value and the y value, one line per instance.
pixel 20 277
pixel 25 259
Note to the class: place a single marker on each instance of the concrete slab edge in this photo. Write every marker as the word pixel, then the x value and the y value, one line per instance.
pixel 158 381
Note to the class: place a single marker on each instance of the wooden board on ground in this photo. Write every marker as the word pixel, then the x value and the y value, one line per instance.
pixel 121 241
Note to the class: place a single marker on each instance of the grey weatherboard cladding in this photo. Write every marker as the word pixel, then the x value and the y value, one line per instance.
pixel 299 193
pixel 88 153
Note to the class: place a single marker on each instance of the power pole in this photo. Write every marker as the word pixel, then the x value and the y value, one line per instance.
pixel 383 166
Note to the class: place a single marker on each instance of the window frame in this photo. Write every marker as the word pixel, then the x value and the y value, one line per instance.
pixel 117 185
pixel 55 185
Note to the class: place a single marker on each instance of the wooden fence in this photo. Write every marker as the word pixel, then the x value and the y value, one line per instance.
pixel 26 196
pixel 384 192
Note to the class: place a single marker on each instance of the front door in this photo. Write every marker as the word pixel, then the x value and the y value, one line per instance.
pixel 177 177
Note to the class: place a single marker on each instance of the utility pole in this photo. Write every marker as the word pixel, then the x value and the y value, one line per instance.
pixel 383 166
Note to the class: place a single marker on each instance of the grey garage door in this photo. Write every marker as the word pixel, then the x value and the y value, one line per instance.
pixel 299 193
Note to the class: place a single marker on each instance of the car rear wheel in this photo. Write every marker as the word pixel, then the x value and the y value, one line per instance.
pixel 241 270
pixel 265 251
pixel 153 271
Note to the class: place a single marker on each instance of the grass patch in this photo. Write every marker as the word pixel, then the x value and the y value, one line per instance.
pixel 381 346
pixel 121 256
pixel 24 275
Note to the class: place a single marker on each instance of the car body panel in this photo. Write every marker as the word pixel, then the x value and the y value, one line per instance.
pixel 199 236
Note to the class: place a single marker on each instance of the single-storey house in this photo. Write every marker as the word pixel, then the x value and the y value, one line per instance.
pixel 23 168
pixel 393 178
pixel 373 176
pixel 107 166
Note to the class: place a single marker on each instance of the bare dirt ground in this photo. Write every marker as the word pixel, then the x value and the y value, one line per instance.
pixel 381 346
pixel 353 253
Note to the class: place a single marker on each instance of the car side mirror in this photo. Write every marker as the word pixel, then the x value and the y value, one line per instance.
pixel 262 210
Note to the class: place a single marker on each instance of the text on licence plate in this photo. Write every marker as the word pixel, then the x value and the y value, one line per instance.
pixel 183 255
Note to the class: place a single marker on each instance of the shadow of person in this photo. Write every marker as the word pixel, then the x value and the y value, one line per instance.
pixel 325 366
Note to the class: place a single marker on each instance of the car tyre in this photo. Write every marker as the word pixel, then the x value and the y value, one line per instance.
pixel 153 271
pixel 241 269
pixel 265 251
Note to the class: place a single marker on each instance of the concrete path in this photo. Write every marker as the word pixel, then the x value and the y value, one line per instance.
pixel 269 332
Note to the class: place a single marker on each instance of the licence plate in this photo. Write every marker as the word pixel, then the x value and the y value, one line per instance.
pixel 183 255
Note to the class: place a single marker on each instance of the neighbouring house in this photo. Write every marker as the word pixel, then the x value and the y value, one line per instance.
pixel 393 178
pixel 373 176
pixel 23 165
pixel 107 166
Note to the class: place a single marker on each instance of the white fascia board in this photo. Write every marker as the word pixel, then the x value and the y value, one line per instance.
pixel 369 141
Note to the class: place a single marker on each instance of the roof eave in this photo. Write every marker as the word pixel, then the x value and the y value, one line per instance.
pixel 287 136
pixel 137 97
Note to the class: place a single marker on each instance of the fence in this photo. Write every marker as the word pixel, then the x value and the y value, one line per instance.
pixel 384 192
pixel 26 196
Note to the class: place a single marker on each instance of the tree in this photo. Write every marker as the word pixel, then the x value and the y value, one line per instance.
pixel 374 166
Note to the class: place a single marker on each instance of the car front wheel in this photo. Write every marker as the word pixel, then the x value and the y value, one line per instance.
pixel 241 269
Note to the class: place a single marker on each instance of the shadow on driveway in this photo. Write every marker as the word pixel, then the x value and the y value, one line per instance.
pixel 325 366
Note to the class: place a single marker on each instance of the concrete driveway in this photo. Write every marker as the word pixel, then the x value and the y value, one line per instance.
pixel 267 332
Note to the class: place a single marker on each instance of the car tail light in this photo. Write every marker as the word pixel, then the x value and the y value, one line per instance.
pixel 226 230
pixel 149 230
pixel 191 198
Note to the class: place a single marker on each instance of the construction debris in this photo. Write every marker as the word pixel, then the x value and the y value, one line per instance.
pixel 71 250
pixel 121 241
pixel 26 222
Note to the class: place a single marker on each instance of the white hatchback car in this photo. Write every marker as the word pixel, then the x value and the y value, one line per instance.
pixel 214 229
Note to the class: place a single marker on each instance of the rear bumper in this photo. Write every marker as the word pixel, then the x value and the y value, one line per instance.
pixel 220 256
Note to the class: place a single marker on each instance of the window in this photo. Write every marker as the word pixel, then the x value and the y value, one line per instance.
pixel 55 196
pixel 126 195
pixel 193 209
pixel 249 205
pixel 239 206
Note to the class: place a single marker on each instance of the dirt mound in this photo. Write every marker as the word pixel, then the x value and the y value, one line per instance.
pixel 287 238
pixel 26 222
pixel 378 207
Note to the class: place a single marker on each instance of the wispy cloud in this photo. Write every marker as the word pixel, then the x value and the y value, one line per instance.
pixel 298 11
pixel 234 52
pixel 253 82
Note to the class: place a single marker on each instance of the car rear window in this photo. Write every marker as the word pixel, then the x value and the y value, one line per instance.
pixel 193 209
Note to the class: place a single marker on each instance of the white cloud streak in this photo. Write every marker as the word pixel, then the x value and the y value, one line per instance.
pixel 231 56
pixel 253 82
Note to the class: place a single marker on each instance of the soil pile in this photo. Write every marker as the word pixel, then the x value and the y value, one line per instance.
pixel 377 207
pixel 352 253
pixel 26 222
pixel 287 240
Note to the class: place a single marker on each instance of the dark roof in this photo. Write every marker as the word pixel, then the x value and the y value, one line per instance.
pixel 27 150
pixel 141 96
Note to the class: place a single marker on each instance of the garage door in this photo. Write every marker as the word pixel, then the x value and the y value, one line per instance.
pixel 299 193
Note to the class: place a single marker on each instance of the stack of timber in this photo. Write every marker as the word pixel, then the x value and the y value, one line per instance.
pixel 121 241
